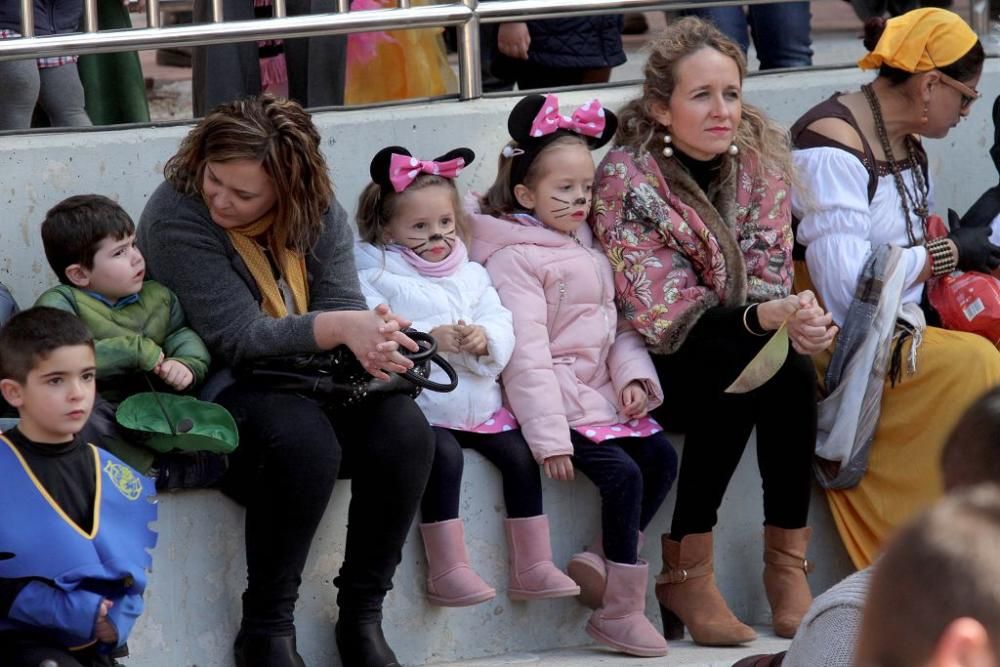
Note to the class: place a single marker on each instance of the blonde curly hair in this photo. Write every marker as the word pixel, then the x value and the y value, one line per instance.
pixel 756 134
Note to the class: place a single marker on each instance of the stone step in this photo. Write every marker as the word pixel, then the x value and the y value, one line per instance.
pixel 682 653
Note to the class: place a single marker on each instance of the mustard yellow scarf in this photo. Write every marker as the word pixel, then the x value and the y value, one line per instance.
pixel 291 265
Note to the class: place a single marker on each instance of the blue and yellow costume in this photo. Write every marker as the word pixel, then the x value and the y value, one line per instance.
pixel 72 571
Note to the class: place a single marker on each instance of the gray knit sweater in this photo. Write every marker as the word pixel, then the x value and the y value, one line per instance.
pixel 829 631
pixel 193 256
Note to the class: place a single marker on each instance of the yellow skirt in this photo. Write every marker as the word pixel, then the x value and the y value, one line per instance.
pixel 405 64
pixel 904 464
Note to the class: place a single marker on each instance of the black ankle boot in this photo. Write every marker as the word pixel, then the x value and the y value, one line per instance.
pixel 252 650
pixel 362 644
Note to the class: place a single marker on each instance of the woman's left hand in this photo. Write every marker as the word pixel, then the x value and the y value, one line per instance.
pixel 810 329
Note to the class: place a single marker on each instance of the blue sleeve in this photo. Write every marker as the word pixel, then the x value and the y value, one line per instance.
pixel 8 306
pixel 68 616
pixel 124 613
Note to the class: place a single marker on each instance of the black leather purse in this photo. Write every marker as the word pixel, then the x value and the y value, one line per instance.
pixel 338 378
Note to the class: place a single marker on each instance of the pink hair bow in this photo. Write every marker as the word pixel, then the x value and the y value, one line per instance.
pixel 404 169
pixel 588 120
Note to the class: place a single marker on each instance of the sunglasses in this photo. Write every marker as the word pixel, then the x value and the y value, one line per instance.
pixel 969 95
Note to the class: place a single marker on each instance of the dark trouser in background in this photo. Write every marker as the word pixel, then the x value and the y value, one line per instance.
pixel 291 450
pixel 522 484
pixel 717 425
pixel 780 31
pixel 633 476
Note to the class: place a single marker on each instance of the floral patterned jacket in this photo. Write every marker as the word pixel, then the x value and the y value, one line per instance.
pixel 678 251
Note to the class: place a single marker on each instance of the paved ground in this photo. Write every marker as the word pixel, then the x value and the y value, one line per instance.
pixel 681 654
pixel 836 41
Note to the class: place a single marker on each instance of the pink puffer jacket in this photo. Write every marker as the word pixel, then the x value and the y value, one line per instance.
pixel 571 359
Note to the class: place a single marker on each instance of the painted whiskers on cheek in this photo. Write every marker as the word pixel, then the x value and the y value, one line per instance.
pixel 423 245
pixel 579 201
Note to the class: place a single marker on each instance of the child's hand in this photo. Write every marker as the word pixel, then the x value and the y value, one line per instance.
pixel 104 629
pixel 448 337
pixel 473 339
pixel 634 400
pixel 559 467
pixel 175 374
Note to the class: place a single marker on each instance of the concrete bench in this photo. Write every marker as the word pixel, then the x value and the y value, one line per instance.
pixel 193 601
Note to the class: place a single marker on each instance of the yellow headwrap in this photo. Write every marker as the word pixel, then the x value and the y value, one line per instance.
pixel 292 266
pixel 921 40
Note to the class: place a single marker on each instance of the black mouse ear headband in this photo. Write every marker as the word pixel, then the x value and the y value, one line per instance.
pixel 394 168
pixel 535 122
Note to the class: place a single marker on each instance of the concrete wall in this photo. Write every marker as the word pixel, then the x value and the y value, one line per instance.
pixel 199 567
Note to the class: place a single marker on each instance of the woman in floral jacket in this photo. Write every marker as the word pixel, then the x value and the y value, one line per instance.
pixel 692 210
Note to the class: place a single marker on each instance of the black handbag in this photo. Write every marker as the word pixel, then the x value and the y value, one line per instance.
pixel 338 378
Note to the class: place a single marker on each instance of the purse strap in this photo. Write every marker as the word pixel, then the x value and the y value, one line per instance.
pixel 428 351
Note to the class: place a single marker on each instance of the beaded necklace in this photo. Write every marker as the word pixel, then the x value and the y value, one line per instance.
pixel 916 200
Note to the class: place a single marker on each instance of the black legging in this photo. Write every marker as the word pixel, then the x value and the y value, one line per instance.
pixel 633 476
pixel 290 453
pixel 522 483
pixel 717 425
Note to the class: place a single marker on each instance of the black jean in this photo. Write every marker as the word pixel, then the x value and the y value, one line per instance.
pixel 291 452
pixel 633 476
pixel 522 482
pixel 25 651
pixel 717 425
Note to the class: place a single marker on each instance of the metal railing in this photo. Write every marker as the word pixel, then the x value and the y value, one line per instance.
pixel 466 16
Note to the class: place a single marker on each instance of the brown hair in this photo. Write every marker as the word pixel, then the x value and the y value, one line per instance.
pixel 963 69
pixel 940 567
pixel 280 135
pixel 74 228
pixel 971 454
pixel 756 135
pixel 377 206
pixel 29 337
pixel 499 199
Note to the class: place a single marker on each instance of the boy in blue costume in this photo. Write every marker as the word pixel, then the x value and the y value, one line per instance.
pixel 74 520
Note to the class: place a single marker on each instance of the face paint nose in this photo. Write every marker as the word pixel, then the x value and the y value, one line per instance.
pixel 579 201
pixel 437 237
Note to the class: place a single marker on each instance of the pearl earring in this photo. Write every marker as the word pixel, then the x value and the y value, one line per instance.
pixel 924 118
pixel 734 150
pixel 668 150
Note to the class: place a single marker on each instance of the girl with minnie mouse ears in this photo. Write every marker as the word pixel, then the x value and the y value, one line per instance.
pixel 412 256
pixel 580 387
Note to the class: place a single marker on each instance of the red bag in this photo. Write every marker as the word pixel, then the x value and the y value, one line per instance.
pixel 968 302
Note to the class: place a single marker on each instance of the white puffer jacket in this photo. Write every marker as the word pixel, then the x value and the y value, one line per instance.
pixel 467 295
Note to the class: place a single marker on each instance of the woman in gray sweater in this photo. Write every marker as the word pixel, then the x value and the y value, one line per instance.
pixel 246 232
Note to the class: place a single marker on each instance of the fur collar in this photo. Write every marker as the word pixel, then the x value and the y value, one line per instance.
pixel 717 209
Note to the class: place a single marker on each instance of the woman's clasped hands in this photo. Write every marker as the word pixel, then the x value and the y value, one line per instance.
pixel 810 328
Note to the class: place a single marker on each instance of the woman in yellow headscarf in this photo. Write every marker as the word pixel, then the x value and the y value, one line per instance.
pixel 894 386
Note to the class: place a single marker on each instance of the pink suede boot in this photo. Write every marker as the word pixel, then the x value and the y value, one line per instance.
pixel 533 575
pixel 620 621
pixel 451 582
pixel 588 571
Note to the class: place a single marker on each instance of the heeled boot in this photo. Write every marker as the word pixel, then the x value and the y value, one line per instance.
pixel 688 595
pixel 451 582
pixel 533 575
pixel 362 644
pixel 587 569
pixel 620 621
pixel 257 650
pixel 785 570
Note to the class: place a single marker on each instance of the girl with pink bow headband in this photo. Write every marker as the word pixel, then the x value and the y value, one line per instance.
pixel 580 385
pixel 412 256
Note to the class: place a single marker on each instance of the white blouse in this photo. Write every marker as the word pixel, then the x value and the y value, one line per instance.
pixel 839 227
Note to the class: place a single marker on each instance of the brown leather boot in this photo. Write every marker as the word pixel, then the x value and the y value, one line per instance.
pixel 689 597
pixel 785 569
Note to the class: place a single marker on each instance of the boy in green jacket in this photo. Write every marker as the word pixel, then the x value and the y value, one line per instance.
pixel 138 326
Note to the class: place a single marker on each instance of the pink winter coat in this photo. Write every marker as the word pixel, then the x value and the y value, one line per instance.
pixel 571 360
